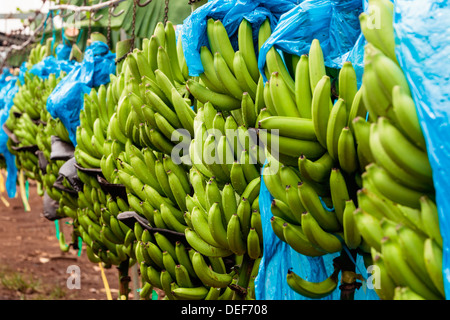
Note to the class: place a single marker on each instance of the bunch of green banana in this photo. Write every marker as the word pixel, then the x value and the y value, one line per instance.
pixel 396 218
pixel 307 126
pixel 313 169
pixel 59 129
pixel 50 173
pixel 153 105
pixel 156 186
pixel 28 162
pixel 392 137
pixel 301 209
pixel 108 240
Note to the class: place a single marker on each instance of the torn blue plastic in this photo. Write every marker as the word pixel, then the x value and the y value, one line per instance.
pixel 231 13
pixel 67 99
pixel 279 257
pixel 334 23
pixel 423 49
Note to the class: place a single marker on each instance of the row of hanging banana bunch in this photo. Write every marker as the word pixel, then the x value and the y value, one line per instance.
pixel 397 215
pixel 168 207
pixel 49 169
pixel 25 119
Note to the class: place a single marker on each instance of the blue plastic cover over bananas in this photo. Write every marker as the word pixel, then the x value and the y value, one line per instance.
pixel 334 23
pixel 7 93
pixel 231 13
pixel 66 100
pixel 423 47
pixel 51 65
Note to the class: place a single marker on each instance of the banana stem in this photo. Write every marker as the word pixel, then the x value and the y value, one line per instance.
pixel 124 279
pixel 244 275
pixel 346 264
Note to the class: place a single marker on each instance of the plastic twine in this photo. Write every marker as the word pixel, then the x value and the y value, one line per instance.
pixel 2 189
pixel 105 282
pixel 23 192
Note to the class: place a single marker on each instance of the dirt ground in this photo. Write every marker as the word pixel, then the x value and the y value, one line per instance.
pixel 32 266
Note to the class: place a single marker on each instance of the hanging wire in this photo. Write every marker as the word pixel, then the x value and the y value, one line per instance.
pixel 133 25
pixel 166 12
pixel 90 23
pixel 108 34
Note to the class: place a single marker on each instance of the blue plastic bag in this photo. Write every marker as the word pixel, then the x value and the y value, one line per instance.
pixel 62 51
pixel 231 13
pixel 423 49
pixel 7 94
pixel 51 65
pixel 66 100
pixel 334 23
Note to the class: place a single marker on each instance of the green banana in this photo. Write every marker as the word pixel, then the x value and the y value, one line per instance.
pixel 236 241
pixel 323 240
pixel 303 92
pixel 203 247
pixel 352 237
pixel 313 290
pixel 208 276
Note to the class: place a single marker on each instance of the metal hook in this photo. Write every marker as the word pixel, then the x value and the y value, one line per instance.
pixel 112 8
pixel 138 2
pixel 96 19
pixel 85 14
pixel 65 15
pixel 93 14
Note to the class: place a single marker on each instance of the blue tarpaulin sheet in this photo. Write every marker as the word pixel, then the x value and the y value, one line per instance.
pixel 8 90
pixel 423 50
